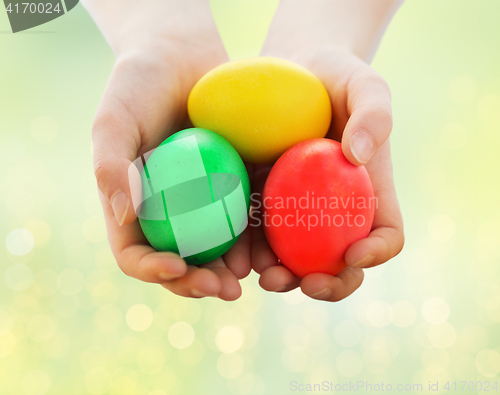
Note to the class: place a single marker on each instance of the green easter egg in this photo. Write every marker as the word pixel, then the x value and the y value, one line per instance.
pixel 196 196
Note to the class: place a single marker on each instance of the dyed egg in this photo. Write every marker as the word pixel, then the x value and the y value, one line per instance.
pixel 195 196
pixel 262 106
pixel 316 204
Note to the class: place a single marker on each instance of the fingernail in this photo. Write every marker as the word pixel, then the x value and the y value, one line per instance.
pixel 199 294
pixel 362 146
pixel 281 289
pixel 323 294
pixel 367 260
pixel 120 204
pixel 168 276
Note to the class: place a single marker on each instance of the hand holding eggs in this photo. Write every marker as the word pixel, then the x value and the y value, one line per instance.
pixel 315 202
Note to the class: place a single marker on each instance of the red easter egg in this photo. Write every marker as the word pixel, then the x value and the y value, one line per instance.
pixel 315 205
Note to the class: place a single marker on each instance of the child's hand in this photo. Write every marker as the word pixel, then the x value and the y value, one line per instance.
pixel 160 56
pixel 361 103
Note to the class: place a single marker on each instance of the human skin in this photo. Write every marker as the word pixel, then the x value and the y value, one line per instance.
pixel 162 50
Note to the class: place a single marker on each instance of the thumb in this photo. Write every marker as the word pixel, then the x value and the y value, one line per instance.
pixel 115 137
pixel 370 120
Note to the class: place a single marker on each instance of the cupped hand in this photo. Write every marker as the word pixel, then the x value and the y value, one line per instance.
pixel 362 122
pixel 160 56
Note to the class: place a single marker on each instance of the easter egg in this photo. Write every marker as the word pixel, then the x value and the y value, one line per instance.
pixel 315 205
pixel 262 106
pixel 195 196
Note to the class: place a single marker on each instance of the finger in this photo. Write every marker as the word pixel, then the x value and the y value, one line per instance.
pixel 278 279
pixel 370 115
pixel 134 255
pixel 198 282
pixel 323 286
pixel 134 106
pixel 386 239
pixel 237 259
pixel 230 286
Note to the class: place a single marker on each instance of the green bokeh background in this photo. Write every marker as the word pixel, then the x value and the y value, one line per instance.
pixel 72 323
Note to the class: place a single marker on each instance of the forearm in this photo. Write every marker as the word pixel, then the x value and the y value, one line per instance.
pixel 131 24
pixel 353 25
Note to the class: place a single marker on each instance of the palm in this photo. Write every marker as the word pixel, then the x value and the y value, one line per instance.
pixel 347 79
pixel 146 101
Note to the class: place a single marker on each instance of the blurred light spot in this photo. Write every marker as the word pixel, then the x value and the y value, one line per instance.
pixel 45 191
pixel 70 281
pixel 150 360
pixel 488 362
pixel 193 354
pixel 319 342
pixel 94 229
pixel 41 328
pixel 248 383
pixel 18 277
pixel 40 230
pixel 487 245
pixel 453 136
pixel 93 205
pixel 229 339
pixel 435 310
pixel 57 346
pixel 166 380
pixel 157 392
pixel 435 359
pixel 64 306
pixel 492 308
pixel 403 314
pixel 124 385
pixel 347 334
pixel 442 335
pixel 94 357
pixel 79 255
pixel 36 382
pixel 44 129
pixel 295 358
pixel 19 203
pixel 6 322
pixel 439 285
pixel 108 318
pixel 20 242
pixel 294 297
pixel 322 373
pixel 296 335
pixel 139 317
pixel 104 259
pixel 462 89
pixel 449 200
pixel 349 363
pixel 376 359
pixel 71 234
pixel 379 313
pixel 488 106
pixel 181 335
pixel 12 149
pixel 97 381
pixel 441 227
pixel 485 291
pixel 230 366
pixel 315 316
pixel 8 344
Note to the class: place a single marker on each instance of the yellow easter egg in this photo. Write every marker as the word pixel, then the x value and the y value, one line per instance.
pixel 262 106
